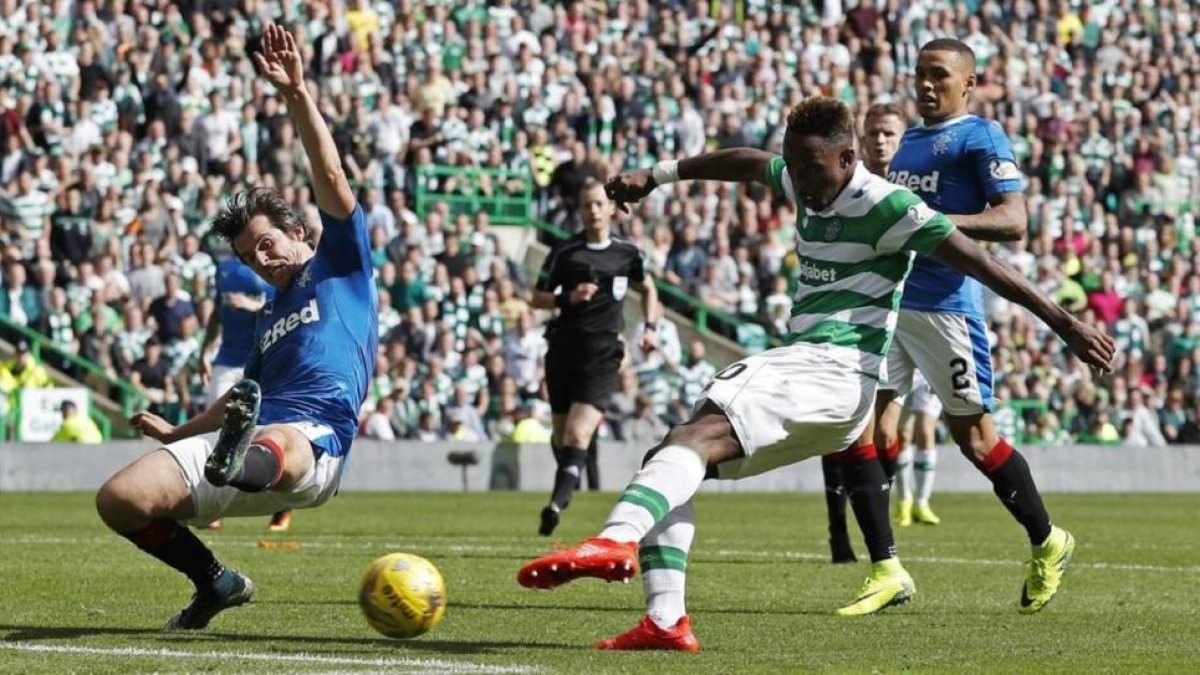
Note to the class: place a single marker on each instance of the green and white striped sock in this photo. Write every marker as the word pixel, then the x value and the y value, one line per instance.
pixel 663 557
pixel 665 482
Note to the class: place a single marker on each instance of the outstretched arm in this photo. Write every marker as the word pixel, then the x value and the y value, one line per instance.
pixel 960 253
pixel 738 165
pixel 280 62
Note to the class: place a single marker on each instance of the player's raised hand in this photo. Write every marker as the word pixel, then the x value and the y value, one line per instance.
pixel 149 424
pixel 1091 345
pixel 631 186
pixel 279 59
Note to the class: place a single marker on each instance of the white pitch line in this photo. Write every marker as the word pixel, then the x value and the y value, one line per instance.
pixel 411 665
pixel 339 542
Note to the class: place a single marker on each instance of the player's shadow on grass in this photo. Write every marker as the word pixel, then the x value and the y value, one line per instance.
pixel 12 633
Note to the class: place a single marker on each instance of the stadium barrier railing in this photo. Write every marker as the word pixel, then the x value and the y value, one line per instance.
pixel 46 351
pixel 506 208
pixel 503 207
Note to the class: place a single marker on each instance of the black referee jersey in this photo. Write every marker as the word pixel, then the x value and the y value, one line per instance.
pixel 612 266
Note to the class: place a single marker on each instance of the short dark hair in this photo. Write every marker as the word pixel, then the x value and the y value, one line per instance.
pixel 258 201
pixel 951 45
pixel 884 110
pixel 826 118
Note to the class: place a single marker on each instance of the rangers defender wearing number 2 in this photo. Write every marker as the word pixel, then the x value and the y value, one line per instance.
pixel 857 233
pixel 963 166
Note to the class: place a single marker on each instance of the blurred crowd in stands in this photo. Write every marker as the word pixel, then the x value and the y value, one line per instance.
pixel 124 124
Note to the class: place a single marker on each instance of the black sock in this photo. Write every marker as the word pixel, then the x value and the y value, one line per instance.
pixel 835 498
pixel 262 468
pixel 593 470
pixel 178 547
pixel 1013 484
pixel 889 459
pixel 869 489
pixel 570 466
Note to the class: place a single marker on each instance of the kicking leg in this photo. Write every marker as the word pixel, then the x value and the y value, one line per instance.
pixel 670 475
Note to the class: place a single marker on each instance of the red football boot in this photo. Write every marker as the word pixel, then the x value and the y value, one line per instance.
pixel 600 558
pixel 648 636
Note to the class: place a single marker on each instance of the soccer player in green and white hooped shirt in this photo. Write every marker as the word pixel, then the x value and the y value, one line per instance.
pixel 857 236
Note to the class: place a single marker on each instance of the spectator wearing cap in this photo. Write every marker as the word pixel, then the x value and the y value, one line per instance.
pixel 76 428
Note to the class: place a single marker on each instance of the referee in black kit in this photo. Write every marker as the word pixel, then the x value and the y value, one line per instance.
pixel 587 278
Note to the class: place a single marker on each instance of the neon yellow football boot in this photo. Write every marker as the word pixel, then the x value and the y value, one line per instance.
pixel 923 514
pixel 889 584
pixel 1046 569
pixel 904 512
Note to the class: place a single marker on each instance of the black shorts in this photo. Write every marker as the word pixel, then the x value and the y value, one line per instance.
pixel 582 368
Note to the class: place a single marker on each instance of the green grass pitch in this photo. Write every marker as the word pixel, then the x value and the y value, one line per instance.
pixel 75 598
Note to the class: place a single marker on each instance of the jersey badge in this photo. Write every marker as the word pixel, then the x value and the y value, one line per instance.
pixel 833 229
pixel 620 287
pixel 1002 169
pixel 941 144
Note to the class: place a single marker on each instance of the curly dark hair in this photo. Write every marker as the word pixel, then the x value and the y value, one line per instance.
pixel 826 118
pixel 257 201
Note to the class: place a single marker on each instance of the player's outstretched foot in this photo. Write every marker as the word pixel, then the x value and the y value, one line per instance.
pixel 281 521
pixel 237 429
pixel 549 521
pixel 648 636
pixel 600 558
pixel 923 514
pixel 889 584
pixel 215 525
pixel 841 551
pixel 904 512
pixel 1046 569
pixel 229 590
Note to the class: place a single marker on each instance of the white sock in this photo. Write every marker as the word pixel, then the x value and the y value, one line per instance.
pixel 663 557
pixel 664 483
pixel 904 474
pixel 925 466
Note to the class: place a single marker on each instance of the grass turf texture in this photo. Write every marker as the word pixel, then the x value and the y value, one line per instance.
pixel 761 592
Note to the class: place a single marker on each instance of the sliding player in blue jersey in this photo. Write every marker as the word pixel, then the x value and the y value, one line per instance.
pixel 240 295
pixel 279 438
pixel 964 166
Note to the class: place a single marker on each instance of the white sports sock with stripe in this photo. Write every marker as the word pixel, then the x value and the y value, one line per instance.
pixel 663 557
pixel 924 467
pixel 664 483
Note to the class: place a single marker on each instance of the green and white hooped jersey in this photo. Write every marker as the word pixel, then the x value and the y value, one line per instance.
pixel 854 258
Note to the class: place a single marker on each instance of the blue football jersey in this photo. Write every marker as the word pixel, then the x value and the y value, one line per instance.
pixel 237 325
pixel 956 166
pixel 318 340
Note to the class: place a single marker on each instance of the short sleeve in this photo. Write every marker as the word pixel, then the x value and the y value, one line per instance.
pixel 637 266
pixel 991 154
pixel 777 177
pixel 914 225
pixel 344 244
pixel 547 279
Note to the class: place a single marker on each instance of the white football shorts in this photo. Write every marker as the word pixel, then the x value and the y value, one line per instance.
pixel 791 403
pixel 951 351
pixel 212 502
